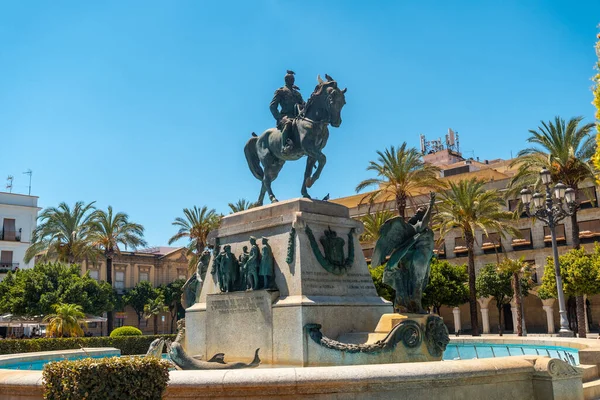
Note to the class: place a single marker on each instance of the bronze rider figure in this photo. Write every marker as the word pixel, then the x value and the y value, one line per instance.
pixel 285 106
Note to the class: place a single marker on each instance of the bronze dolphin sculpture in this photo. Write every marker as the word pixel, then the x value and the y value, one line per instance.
pixel 156 348
pixel 185 362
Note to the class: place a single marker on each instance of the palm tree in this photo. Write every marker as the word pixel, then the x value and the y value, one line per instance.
pixel 518 269
pixel 373 223
pixel 197 224
pixel 596 103
pixel 467 205
pixel 240 205
pixel 566 150
pixel 63 234
pixel 108 231
pixel 400 173
pixel 66 320
pixel 153 308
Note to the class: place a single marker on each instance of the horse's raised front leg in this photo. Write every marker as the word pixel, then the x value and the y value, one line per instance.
pixel 310 164
pixel 321 160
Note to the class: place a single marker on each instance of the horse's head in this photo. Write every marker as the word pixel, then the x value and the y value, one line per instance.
pixel 328 100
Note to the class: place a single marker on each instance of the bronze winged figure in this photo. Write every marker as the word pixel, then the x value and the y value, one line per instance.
pixel 409 246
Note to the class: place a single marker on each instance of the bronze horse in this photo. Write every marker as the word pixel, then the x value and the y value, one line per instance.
pixel 310 134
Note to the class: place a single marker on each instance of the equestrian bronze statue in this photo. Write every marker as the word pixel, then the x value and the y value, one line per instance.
pixel 308 133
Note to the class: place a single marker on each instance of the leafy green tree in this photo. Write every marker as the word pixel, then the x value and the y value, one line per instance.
pixel 172 293
pixel 196 225
pixel 108 231
pixel 469 206
pixel 373 223
pixel 383 290
pixel 139 296
pixel 565 149
pixel 154 307
pixel 65 321
pixel 447 285
pixel 240 205
pixel 62 234
pixel 33 292
pixel 519 270
pixel 580 274
pixel 401 173
pixel 496 282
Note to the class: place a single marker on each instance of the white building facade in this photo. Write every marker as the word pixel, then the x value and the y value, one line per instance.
pixel 18 215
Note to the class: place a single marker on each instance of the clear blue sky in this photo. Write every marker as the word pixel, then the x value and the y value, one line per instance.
pixel 146 105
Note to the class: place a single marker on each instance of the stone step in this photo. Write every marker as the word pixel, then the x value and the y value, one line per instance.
pixel 591 390
pixel 590 372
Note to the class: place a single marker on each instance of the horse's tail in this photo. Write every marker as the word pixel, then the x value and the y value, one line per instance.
pixel 252 158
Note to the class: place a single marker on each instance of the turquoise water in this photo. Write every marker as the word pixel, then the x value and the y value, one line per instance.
pixel 39 364
pixel 453 352
pixel 465 351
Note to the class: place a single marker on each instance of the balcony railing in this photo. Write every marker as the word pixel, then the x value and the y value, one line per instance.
pixel 5 267
pixel 11 236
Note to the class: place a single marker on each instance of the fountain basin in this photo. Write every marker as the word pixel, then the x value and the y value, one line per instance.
pixel 517 378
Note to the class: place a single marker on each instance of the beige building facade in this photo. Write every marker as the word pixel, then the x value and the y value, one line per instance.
pixel 157 265
pixel 533 245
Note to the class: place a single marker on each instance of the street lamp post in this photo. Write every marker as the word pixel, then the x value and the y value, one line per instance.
pixel 551 213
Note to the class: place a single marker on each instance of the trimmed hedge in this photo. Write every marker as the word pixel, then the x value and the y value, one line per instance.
pixel 137 378
pixel 129 345
pixel 126 331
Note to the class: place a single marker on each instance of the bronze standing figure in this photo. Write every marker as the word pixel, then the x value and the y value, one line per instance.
pixel 266 264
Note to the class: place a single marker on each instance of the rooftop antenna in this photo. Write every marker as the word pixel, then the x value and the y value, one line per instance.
pixel 29 172
pixel 9 183
pixel 423 144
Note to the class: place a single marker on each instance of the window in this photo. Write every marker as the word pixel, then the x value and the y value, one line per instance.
pixel 144 277
pixel 119 322
pixel 92 325
pixel 491 243
pixel 9 230
pixel 587 198
pixel 460 247
pixel 93 274
pixel 561 239
pixel 589 231
pixel 6 259
pixel 119 280
pixel 523 242
pixel 514 205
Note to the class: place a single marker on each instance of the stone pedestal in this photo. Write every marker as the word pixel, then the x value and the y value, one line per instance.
pixel 243 320
pixel 340 299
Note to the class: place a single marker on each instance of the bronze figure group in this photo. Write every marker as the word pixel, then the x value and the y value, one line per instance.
pixel 233 273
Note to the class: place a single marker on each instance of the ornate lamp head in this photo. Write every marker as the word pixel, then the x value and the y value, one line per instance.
pixel 525 196
pixel 570 195
pixel 538 200
pixel 559 190
pixel 546 177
